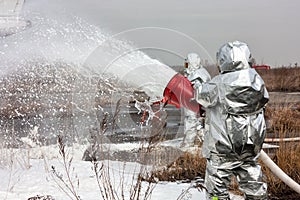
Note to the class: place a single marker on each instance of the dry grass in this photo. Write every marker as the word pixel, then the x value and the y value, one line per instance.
pixel 285 79
pixel 285 123
pixel 70 184
pixel 105 180
pixel 187 167
pixel 287 158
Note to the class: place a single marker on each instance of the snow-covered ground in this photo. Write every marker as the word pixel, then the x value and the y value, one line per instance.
pixel 28 172
pixel 38 180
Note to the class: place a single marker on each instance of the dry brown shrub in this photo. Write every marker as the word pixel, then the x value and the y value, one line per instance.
pixel 187 167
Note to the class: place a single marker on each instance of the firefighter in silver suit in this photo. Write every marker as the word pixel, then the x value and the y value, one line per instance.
pixel 235 124
pixel 193 127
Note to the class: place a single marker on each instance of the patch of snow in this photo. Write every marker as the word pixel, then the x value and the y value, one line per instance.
pixel 29 173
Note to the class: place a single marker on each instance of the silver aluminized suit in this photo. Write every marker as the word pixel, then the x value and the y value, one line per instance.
pixel 192 124
pixel 235 124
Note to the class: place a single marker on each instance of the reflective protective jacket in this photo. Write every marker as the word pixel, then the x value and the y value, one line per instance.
pixel 234 102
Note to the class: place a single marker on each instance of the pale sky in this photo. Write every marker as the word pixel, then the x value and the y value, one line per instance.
pixel 270 27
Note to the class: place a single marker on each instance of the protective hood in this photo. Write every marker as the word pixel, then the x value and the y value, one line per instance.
pixel 194 61
pixel 233 56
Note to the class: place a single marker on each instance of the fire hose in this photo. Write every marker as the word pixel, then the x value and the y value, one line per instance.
pixel 282 139
pixel 278 172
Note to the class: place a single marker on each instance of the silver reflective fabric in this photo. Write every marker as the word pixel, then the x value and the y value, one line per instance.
pixel 235 124
pixel 192 123
pixel 200 75
pixel 191 126
pixel 233 56
pixel 194 61
pixel 218 175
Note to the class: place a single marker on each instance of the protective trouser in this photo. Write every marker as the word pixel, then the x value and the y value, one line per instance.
pixel 220 169
pixel 191 122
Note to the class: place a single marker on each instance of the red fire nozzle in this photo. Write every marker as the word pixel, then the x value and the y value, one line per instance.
pixel 180 92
